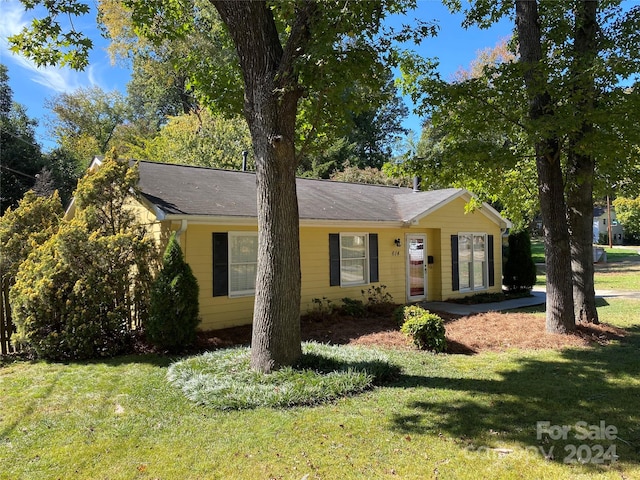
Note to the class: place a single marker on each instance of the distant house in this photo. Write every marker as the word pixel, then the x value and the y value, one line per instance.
pixel 601 226
pixel 420 245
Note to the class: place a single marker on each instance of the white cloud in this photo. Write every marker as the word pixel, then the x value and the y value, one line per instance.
pixel 57 79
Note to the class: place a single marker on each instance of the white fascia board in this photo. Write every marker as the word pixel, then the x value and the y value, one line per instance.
pixel 486 209
pixel 211 220
pixel 253 221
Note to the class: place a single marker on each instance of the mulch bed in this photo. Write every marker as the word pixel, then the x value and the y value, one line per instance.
pixel 493 331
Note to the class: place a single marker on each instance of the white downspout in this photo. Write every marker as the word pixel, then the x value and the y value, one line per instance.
pixel 180 231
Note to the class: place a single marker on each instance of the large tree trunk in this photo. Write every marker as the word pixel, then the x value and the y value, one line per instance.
pixel 560 314
pixel 271 96
pixel 580 164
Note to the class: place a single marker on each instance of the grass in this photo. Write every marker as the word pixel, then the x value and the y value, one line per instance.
pixel 621 272
pixel 443 416
pixel 223 379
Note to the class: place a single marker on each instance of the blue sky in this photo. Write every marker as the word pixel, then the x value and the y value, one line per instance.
pixel 454 47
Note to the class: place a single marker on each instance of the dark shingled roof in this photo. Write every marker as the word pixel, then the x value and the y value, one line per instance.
pixel 188 190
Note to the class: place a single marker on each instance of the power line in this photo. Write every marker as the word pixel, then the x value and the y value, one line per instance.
pixel 19 173
pixel 18 137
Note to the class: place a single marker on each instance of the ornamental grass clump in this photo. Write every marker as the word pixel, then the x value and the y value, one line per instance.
pixel 224 379
pixel 426 329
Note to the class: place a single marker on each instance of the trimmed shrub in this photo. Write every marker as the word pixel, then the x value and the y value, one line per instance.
pixel 353 307
pixel 174 309
pixel 425 328
pixel 519 270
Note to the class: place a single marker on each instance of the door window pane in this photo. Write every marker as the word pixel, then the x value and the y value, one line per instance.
pixel 416 267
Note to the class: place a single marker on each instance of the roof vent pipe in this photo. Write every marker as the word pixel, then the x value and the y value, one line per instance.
pixel 244 160
pixel 416 184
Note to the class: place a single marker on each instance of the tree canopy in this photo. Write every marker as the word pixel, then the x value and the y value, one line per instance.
pixel 325 55
pixel 20 156
pixel 557 103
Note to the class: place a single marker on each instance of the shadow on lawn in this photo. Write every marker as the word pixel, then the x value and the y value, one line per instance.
pixel 588 385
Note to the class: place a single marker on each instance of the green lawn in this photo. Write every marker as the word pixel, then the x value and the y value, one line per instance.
pixel 620 272
pixel 444 416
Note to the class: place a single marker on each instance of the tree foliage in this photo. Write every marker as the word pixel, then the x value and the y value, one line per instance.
pixel 174 309
pixel 20 157
pixel 198 138
pixel 86 121
pixel 628 214
pixel 77 295
pixel 30 224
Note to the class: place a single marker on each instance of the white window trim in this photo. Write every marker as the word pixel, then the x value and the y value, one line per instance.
pixel 231 235
pixel 485 272
pixel 367 277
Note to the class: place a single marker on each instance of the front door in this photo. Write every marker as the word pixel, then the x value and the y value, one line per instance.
pixel 416 278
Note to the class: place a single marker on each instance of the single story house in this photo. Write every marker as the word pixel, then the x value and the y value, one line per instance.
pixel 422 245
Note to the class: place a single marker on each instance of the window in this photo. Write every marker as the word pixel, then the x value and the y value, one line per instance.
pixel 472 261
pixel 235 263
pixel 243 263
pixel 353 258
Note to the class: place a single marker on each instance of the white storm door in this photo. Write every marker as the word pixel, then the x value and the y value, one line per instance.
pixel 416 278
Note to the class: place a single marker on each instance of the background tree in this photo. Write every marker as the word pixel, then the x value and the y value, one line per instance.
pixel 65 170
pixel 174 308
pixel 198 138
pixel 20 156
pixel 628 214
pixel 371 176
pixel 359 139
pixel 86 121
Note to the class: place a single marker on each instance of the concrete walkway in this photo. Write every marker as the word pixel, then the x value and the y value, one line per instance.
pixel 538 297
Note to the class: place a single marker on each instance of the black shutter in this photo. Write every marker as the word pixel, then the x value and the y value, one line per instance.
pixel 490 259
pixel 220 264
pixel 455 265
pixel 374 274
pixel 334 259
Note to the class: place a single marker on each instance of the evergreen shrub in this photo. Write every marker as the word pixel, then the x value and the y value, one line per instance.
pixel 174 308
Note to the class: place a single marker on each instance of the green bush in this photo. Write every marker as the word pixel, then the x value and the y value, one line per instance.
pixel 71 299
pixel 425 328
pixel 353 307
pixel 174 308
pixel 80 293
pixel 406 312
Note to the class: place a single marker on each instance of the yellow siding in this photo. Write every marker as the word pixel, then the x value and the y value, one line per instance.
pixel 222 312
pixel 314 254
pixel 451 219
pixel 216 312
